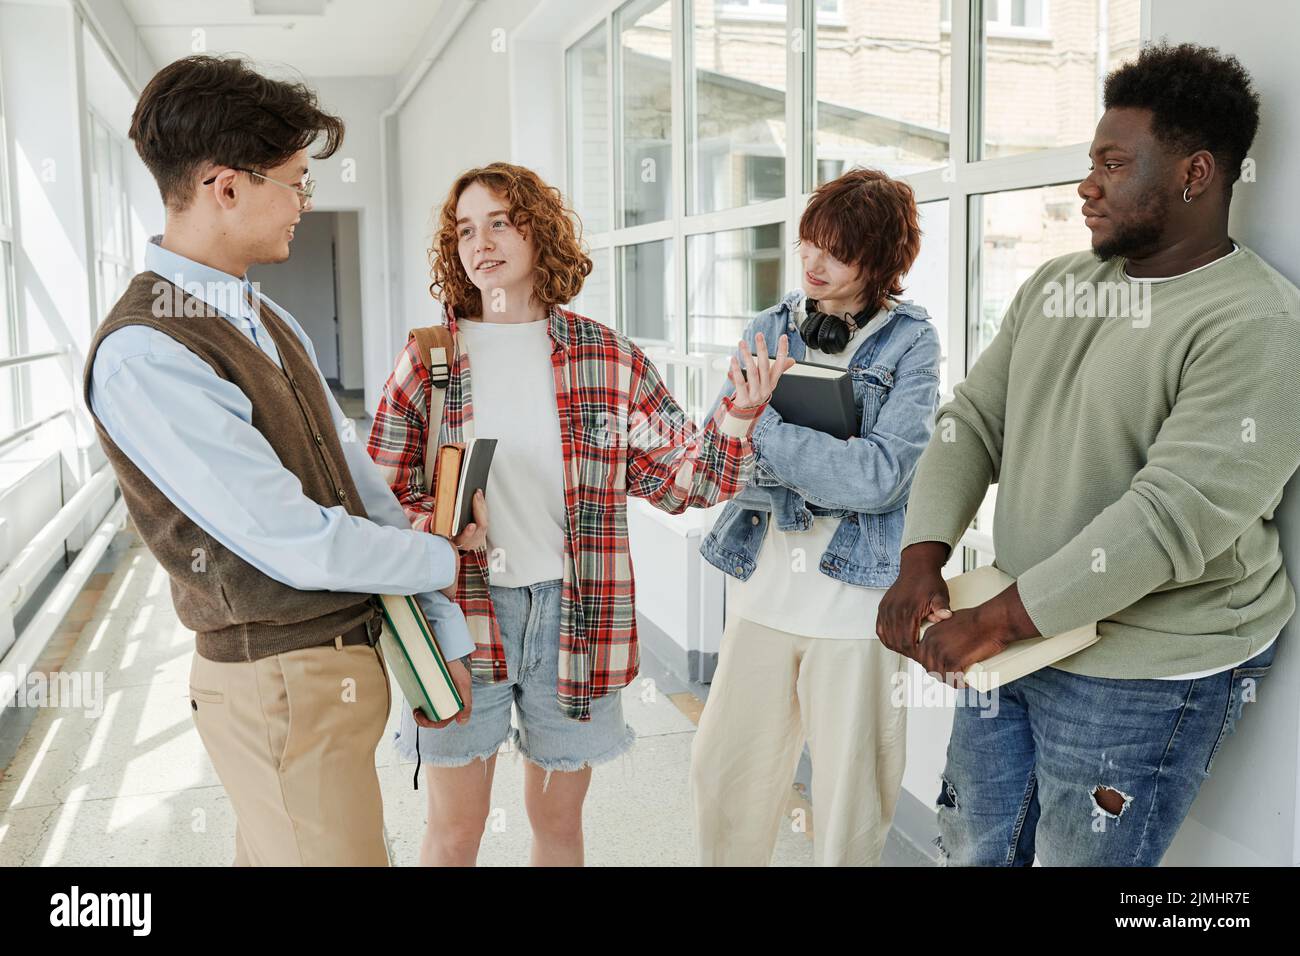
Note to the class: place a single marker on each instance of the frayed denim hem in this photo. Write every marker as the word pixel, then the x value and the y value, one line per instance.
pixel 407 753
pixel 571 766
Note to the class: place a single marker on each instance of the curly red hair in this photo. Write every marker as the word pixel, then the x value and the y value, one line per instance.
pixel 536 209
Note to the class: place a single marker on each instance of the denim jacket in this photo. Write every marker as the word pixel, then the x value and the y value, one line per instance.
pixel 799 472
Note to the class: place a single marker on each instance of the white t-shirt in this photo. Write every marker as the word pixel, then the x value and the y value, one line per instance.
pixel 513 391
pixel 788 591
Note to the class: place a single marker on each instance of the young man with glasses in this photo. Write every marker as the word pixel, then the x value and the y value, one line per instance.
pixel 246 481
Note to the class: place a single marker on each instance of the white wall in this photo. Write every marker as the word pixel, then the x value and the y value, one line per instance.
pixel 111 19
pixel 1246 812
pixel 352 180
pixel 457 117
pixel 42 110
pixel 303 285
pixel 347 246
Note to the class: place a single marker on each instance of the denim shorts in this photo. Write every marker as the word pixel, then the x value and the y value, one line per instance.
pixel 1023 780
pixel 529 618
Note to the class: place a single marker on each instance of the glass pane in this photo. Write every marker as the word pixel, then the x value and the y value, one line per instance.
pixel 646 284
pixel 8 332
pixel 1020 231
pixel 739 138
pixel 4 172
pixel 882 85
pixel 10 415
pixel 927 282
pixel 118 203
pixel 103 187
pixel 1042 70
pixel 589 144
pixel 645 36
pixel 732 276
pixel 594 300
pixel 7 315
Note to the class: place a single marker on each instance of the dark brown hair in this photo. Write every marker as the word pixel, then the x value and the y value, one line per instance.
pixel 866 219
pixel 212 109
pixel 535 209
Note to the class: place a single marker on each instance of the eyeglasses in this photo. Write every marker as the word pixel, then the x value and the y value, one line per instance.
pixel 304 191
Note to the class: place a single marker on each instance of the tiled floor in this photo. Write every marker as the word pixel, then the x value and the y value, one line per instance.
pixel 126 781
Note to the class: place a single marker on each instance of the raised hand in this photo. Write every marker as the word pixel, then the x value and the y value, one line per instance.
pixel 761 374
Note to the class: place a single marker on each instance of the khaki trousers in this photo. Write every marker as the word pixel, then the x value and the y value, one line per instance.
pixel 293 738
pixel 772 690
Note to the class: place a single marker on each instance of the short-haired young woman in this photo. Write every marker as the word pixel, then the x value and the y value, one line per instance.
pixel 812 544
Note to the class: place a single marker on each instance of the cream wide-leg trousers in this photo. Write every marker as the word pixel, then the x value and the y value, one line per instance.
pixel 772 690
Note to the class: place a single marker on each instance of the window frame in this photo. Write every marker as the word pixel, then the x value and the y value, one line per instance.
pixel 11 329
pixel 114 179
pixel 966 177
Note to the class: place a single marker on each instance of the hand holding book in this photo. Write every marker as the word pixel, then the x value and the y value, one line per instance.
pixel 985 637
pixel 919 596
pixel 474 535
pixel 460 676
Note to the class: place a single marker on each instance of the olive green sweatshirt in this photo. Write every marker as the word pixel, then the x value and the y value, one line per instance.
pixel 1140 433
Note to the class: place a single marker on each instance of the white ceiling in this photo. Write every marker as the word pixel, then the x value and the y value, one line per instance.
pixel 351 38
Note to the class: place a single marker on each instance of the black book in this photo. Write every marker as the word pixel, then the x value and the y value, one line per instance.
pixel 473 477
pixel 817 396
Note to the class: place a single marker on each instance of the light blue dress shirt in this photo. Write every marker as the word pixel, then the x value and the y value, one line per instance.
pixel 190 432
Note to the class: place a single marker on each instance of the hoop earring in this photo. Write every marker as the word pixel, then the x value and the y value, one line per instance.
pixel 1186 190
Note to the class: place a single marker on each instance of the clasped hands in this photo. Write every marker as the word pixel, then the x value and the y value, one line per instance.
pixel 956 639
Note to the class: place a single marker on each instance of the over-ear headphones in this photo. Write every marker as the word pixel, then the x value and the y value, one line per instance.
pixel 829 333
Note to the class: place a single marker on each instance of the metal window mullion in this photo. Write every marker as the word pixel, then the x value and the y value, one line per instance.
pixel 797 81
pixel 738 217
pixel 679 177
pixel 647 232
pixel 84 178
pixel 961 103
pixel 614 111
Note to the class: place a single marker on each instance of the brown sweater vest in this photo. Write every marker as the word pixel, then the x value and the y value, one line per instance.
pixel 237 612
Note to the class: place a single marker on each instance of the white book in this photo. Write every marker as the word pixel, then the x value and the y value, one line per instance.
pixel 412 654
pixel 1020 657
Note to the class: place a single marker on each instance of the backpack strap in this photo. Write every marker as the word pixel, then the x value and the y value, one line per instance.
pixel 437 352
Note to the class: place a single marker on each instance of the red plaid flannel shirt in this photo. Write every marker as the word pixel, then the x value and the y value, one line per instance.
pixel 622 433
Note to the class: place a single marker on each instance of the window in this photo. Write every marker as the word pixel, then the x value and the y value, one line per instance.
pixel 112 239
pixel 1041 80
pixel 927 283
pixel 878 85
pixel 738 139
pixel 587 74
pixel 881 91
pixel 594 302
pixel 733 275
pixel 644 31
pixel 12 378
pixel 1019 231
pixel 828 11
pixel 1005 17
pixel 645 278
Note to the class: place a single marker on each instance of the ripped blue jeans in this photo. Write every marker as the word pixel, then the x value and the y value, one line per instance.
pixel 1045 772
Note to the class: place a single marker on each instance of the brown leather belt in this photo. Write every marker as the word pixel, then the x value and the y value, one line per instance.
pixel 367 632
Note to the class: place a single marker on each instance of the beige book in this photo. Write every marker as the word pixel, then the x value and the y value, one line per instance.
pixel 1021 657
pixel 412 653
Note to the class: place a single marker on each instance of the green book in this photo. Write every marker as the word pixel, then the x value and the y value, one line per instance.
pixel 413 655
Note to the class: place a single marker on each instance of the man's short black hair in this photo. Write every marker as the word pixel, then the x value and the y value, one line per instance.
pixel 1198 98
pixel 215 109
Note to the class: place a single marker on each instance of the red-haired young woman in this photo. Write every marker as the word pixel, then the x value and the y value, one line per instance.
pixel 582 420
